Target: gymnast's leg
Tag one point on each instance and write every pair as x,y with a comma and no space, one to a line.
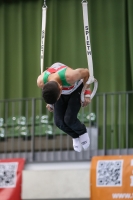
71,120
59,114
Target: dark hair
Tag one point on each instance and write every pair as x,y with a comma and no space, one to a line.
50,92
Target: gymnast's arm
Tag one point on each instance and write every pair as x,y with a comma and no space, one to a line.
84,74
40,82
77,74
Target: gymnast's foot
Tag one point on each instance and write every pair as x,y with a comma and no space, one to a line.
85,141
77,145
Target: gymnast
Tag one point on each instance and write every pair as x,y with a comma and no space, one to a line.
61,90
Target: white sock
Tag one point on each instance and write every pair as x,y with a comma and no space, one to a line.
77,145
85,141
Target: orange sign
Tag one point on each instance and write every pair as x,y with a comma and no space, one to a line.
112,178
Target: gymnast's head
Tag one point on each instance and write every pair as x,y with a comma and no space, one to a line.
51,92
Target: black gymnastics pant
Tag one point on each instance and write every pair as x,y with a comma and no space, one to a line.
65,113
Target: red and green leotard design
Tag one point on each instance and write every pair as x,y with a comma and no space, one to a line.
61,69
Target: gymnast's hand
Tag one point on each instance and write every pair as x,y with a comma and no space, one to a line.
50,107
87,100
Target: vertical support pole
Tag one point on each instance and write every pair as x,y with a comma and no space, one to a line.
33,130
97,116
119,125
6,118
104,122
112,122
127,120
